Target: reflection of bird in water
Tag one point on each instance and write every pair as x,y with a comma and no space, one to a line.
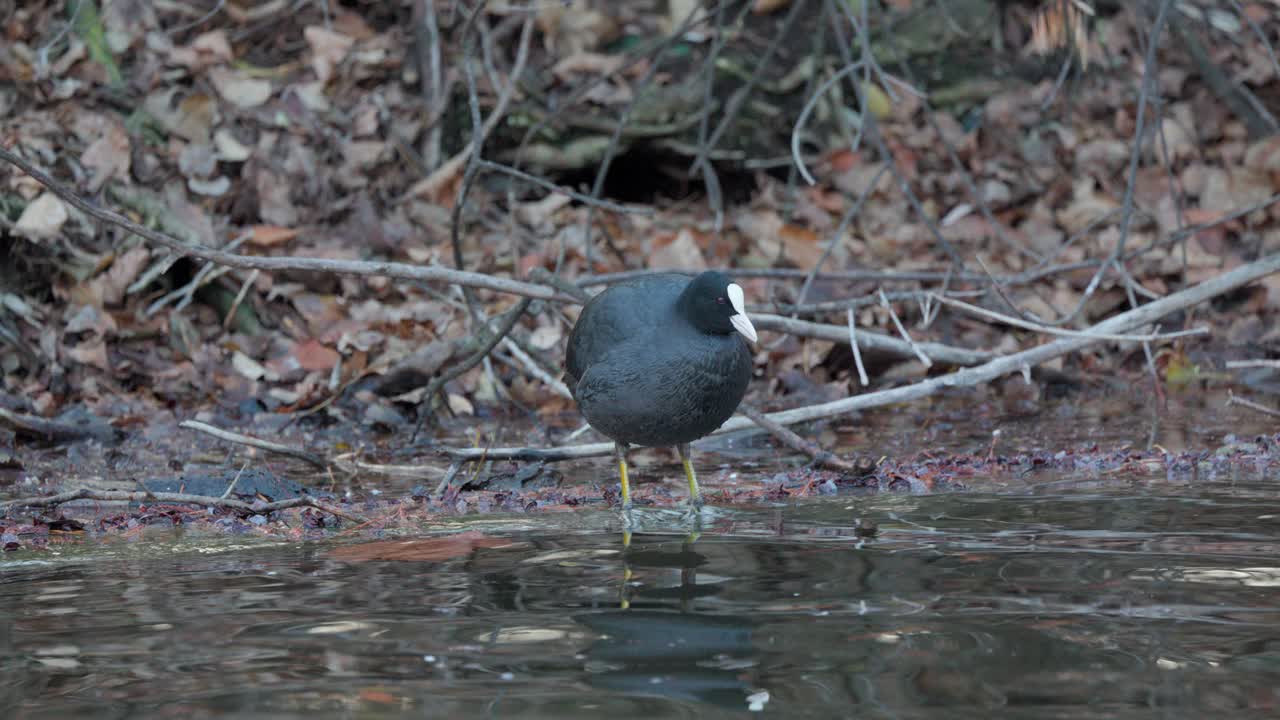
682,656
659,652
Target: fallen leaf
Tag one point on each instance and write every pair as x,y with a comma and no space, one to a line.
43,218
228,147
271,235
216,187
250,368
108,288
91,352
240,89
107,157
328,49
460,405
90,319
764,7
800,246
314,356
680,252
191,118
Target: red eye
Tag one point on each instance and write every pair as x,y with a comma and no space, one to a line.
721,300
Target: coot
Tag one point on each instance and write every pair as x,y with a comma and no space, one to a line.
661,360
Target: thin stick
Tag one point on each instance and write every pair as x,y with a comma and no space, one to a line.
548,185
235,305
870,340
1062,332
1234,364
509,322
820,457
531,366
1233,400
55,430
857,354
884,303
1137,317
240,439
183,498
402,271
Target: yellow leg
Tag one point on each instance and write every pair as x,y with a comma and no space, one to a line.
621,451
695,495
624,594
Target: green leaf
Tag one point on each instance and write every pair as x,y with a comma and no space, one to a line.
88,25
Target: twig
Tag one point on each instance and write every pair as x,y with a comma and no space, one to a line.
880,276
820,457
548,185
1142,315
402,271
531,366
568,452
447,481
857,354
597,186
1062,332
56,430
240,439
1234,364
1233,400
803,119
509,322
235,304
869,340
1137,317
184,498
915,347
838,235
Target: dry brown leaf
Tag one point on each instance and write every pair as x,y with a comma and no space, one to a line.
441,186
328,48
586,62
108,288
274,203
211,48
238,88
91,352
107,157
191,118
271,235
680,251
42,218
800,246
314,356
90,319
1085,207
764,7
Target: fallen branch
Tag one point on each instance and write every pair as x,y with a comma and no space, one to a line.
1241,364
1137,317
1258,407
820,457
401,271
1063,332
513,316
869,340
240,439
56,430
183,498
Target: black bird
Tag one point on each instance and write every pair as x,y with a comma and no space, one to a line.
661,361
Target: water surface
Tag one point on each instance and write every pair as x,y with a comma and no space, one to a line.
1154,599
